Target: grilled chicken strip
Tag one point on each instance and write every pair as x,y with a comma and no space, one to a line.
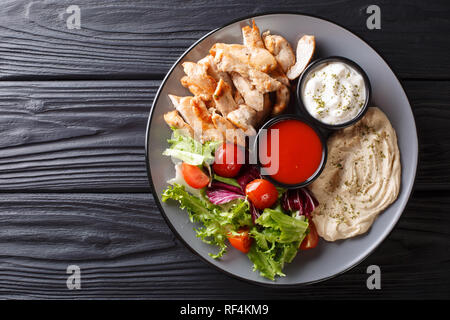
229,131
238,97
223,98
252,36
280,76
252,97
267,109
198,81
280,48
173,119
283,96
194,112
258,58
262,81
213,71
244,118
304,52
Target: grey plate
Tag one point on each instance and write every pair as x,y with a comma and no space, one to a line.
329,258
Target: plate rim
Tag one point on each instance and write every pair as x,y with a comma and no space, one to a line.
158,202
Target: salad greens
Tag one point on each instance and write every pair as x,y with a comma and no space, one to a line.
277,243
230,181
186,149
222,210
217,221
277,235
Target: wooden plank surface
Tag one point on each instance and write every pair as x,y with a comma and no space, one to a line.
125,250
73,183
35,42
74,135
90,135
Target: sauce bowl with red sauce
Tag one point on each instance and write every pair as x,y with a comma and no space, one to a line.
290,151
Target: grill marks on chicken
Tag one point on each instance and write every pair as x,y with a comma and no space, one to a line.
252,97
223,98
260,80
281,50
257,58
198,81
236,86
229,131
174,119
252,36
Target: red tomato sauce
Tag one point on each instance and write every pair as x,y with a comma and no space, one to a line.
299,151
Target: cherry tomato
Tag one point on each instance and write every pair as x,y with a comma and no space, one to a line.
194,176
311,238
262,193
242,242
228,160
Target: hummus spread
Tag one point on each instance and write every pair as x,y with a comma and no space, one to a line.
361,177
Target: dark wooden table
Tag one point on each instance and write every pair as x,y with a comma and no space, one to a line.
73,111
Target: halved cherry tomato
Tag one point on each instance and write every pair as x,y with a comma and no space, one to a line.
242,242
311,238
262,193
228,160
194,176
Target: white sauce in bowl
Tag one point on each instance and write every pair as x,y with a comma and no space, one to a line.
334,93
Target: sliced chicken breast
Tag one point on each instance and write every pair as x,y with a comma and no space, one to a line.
229,131
258,58
279,75
304,53
173,119
280,48
195,113
267,110
244,118
198,81
252,36
213,71
283,96
223,98
262,81
252,97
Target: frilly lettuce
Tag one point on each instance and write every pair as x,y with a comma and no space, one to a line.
277,242
216,221
186,149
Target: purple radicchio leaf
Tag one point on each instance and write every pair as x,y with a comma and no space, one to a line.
220,193
300,200
248,174
221,185
254,212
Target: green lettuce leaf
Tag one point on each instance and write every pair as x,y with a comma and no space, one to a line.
230,181
188,150
277,240
291,229
215,221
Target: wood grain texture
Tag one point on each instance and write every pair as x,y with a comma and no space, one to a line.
73,183
125,250
89,135
74,135
142,39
